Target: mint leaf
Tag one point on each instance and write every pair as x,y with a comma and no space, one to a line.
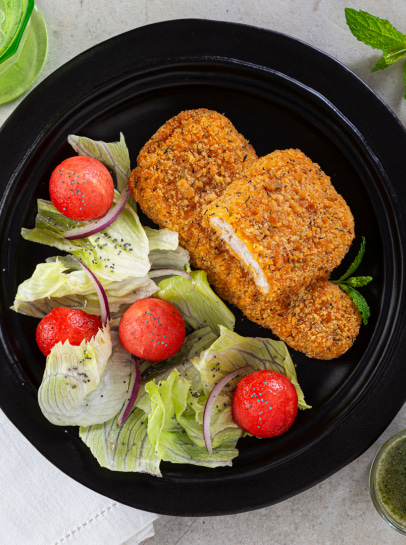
389,57
348,283
354,265
378,34
380,65
358,281
359,301
373,31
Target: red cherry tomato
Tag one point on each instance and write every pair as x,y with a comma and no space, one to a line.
81,188
152,329
66,324
265,403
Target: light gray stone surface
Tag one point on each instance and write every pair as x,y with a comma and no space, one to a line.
337,511
79,24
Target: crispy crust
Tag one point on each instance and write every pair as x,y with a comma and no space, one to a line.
290,218
188,163
173,185
319,320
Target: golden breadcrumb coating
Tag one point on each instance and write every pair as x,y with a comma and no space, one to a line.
188,163
178,173
293,317
319,320
285,220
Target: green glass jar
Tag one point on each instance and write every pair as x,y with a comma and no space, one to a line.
23,46
387,481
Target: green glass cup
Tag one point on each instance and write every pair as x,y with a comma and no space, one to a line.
23,47
387,481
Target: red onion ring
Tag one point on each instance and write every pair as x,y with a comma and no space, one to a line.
169,272
101,294
100,224
133,390
208,408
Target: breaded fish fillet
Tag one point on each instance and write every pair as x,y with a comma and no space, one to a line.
285,221
172,191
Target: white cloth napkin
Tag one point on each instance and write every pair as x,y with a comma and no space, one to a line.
40,505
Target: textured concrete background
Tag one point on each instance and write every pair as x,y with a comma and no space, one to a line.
77,25
338,510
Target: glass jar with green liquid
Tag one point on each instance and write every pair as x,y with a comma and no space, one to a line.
387,481
23,46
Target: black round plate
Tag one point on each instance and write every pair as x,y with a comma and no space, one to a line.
279,93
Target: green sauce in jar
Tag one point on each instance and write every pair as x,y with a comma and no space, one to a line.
388,481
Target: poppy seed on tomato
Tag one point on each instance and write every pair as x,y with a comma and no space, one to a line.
265,403
152,329
81,188
63,324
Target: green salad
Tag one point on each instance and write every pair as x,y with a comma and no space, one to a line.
89,385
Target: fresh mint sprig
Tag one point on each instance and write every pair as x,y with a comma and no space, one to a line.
379,34
348,283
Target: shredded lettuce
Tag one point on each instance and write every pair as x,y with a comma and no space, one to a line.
196,301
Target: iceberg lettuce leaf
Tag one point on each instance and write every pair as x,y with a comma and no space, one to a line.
169,259
172,442
164,249
71,373
128,447
62,281
123,448
196,301
119,251
107,399
232,351
113,155
161,239
86,384
194,343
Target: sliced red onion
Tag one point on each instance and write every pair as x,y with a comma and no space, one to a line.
208,408
169,272
100,224
101,294
133,390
